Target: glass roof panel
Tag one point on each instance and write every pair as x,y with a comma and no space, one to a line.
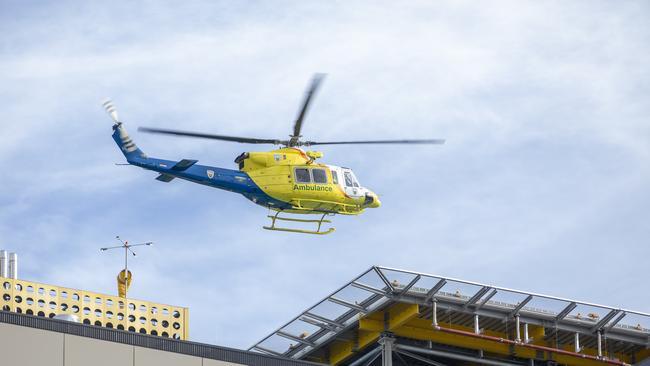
425,284
329,310
635,322
353,294
300,328
589,313
460,290
506,299
546,306
371,278
277,344
398,278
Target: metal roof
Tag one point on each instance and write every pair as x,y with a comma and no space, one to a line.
379,287
148,341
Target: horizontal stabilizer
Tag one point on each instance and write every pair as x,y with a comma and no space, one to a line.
165,178
184,164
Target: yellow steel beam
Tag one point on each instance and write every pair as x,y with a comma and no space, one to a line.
400,313
642,355
401,319
421,329
536,334
370,328
339,351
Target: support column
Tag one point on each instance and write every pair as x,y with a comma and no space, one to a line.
600,344
517,329
387,344
576,342
477,329
434,313
526,337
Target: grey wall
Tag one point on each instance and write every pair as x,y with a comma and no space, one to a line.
29,346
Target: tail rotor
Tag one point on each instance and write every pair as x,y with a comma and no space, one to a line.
111,110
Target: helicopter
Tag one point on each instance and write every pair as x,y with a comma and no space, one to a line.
288,180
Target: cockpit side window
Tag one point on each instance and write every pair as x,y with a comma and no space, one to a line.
349,181
302,175
335,177
319,175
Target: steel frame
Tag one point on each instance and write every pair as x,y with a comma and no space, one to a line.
479,303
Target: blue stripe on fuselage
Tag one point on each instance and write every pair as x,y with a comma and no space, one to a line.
226,179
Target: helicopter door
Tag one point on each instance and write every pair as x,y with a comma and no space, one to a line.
350,183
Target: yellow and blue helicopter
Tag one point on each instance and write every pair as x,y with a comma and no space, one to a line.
287,180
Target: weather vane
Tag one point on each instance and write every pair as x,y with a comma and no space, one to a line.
124,277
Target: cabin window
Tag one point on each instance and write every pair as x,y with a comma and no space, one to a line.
335,177
349,181
302,175
319,175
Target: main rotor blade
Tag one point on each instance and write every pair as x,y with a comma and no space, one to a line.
421,142
297,126
245,140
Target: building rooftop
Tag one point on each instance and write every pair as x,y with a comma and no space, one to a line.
420,306
231,355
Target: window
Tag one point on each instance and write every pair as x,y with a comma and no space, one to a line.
349,182
335,177
302,175
319,175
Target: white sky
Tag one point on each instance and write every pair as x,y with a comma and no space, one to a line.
542,185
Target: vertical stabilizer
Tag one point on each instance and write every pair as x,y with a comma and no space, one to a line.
121,137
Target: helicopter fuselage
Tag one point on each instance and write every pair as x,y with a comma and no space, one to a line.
287,179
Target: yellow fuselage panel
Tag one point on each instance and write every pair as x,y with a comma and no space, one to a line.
279,157
274,173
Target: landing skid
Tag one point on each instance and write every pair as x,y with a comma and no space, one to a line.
316,232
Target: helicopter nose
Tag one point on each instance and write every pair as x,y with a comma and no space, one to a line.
372,200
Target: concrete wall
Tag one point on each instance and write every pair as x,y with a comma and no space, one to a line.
28,346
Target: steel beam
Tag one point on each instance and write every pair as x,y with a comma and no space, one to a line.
348,304
540,321
410,284
318,324
565,311
387,344
294,338
454,356
266,350
487,298
420,358
370,355
477,296
368,288
615,321
384,279
520,306
602,322
434,290
324,320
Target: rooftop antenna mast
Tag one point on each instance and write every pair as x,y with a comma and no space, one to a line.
127,248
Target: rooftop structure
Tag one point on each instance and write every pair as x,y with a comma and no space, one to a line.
32,340
434,320
93,308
